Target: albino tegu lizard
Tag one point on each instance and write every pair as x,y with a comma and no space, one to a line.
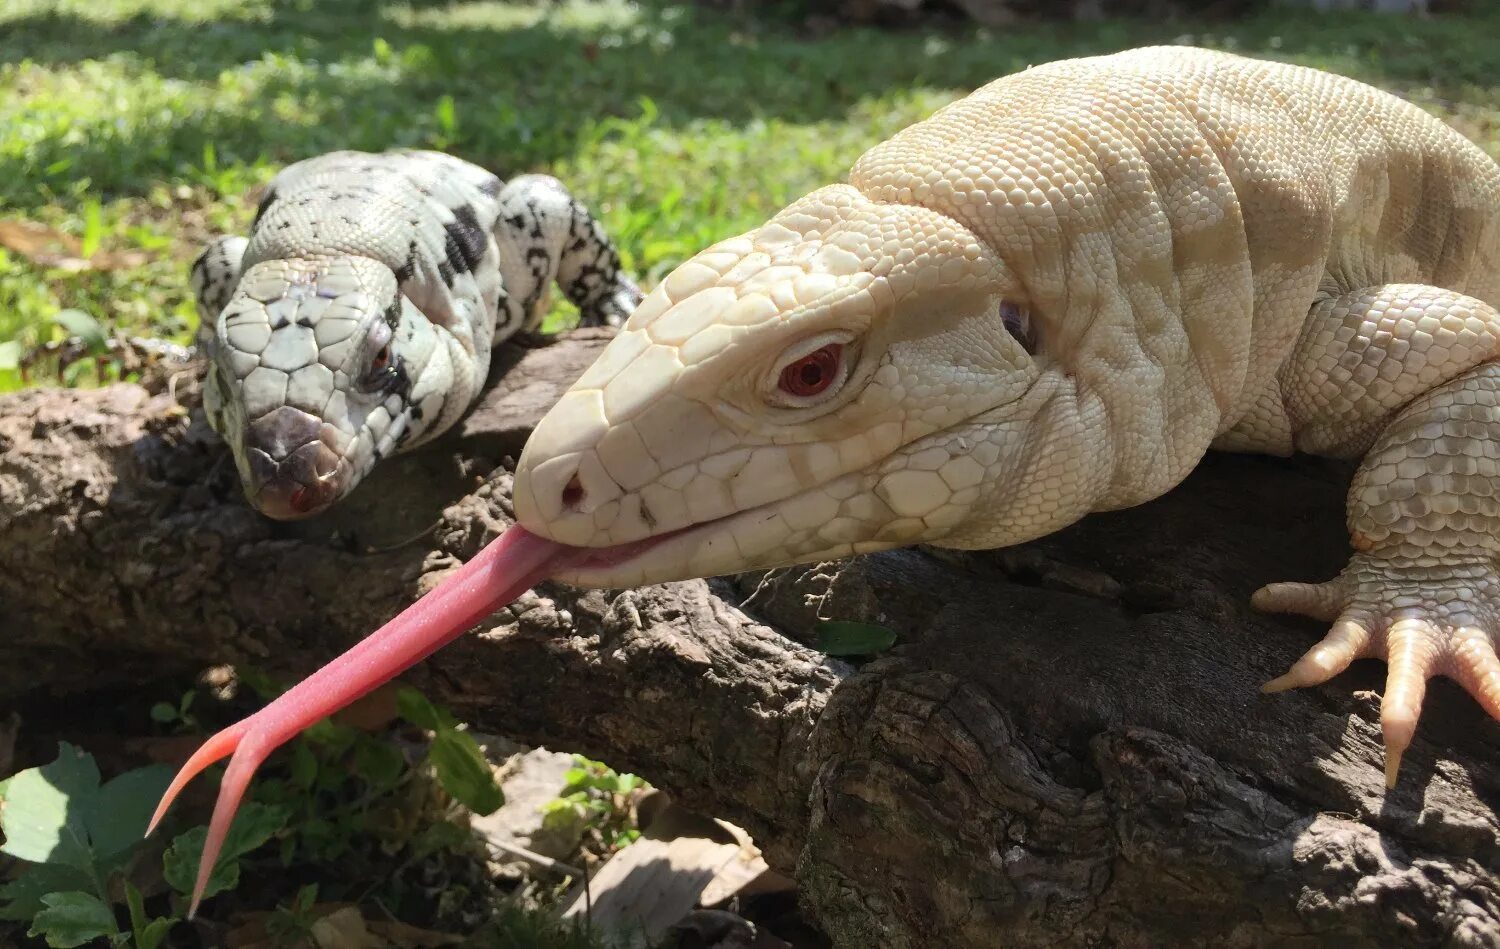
1052,297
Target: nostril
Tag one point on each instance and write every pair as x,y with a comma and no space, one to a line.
572,495
303,500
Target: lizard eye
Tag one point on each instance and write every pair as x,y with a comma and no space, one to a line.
382,359
812,374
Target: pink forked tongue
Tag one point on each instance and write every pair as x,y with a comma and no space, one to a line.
498,574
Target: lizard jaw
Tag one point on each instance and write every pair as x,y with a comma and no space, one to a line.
755,538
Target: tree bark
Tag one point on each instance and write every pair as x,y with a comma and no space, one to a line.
1066,747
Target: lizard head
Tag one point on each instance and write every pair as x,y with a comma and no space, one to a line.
847,378
315,368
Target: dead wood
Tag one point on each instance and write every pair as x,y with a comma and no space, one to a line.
1067,747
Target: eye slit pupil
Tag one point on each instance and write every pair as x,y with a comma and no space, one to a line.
382,357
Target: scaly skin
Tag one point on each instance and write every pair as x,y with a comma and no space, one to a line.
1050,298
357,320
1209,251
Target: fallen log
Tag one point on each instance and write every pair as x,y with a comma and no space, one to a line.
1067,745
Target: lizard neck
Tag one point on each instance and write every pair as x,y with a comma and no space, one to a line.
1046,466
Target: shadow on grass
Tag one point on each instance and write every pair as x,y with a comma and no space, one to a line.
529,87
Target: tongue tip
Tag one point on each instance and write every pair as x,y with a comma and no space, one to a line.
501,571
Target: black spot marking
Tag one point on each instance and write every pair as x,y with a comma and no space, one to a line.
416,413
265,203
409,269
490,186
445,270
464,240
280,323
401,383
304,322
392,313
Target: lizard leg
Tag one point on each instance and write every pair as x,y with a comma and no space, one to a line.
213,277
1422,589
546,234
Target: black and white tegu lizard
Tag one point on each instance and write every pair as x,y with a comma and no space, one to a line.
1050,298
357,320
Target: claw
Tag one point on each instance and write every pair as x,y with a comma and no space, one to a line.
1321,601
1476,667
1347,641
1411,646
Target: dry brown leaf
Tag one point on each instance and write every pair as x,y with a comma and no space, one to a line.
651,885
46,247
345,929
402,936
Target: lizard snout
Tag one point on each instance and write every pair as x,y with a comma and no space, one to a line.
292,472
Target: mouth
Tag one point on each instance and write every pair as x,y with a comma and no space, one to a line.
291,466
286,499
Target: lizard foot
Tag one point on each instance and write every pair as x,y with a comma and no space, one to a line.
1424,619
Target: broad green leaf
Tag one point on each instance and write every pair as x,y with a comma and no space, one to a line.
415,708
253,826
379,762
305,898
72,919
23,895
844,638
137,906
154,933
117,814
304,766
464,773
10,354
42,820
85,327
163,712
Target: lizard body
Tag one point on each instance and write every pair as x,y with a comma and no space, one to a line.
1052,297
357,318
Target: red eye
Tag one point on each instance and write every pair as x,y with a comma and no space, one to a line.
381,358
812,373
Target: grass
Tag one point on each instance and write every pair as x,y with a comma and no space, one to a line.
142,125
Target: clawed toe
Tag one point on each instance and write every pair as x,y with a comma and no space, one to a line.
1420,624
1317,600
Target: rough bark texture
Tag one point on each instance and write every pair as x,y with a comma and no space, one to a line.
1067,747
